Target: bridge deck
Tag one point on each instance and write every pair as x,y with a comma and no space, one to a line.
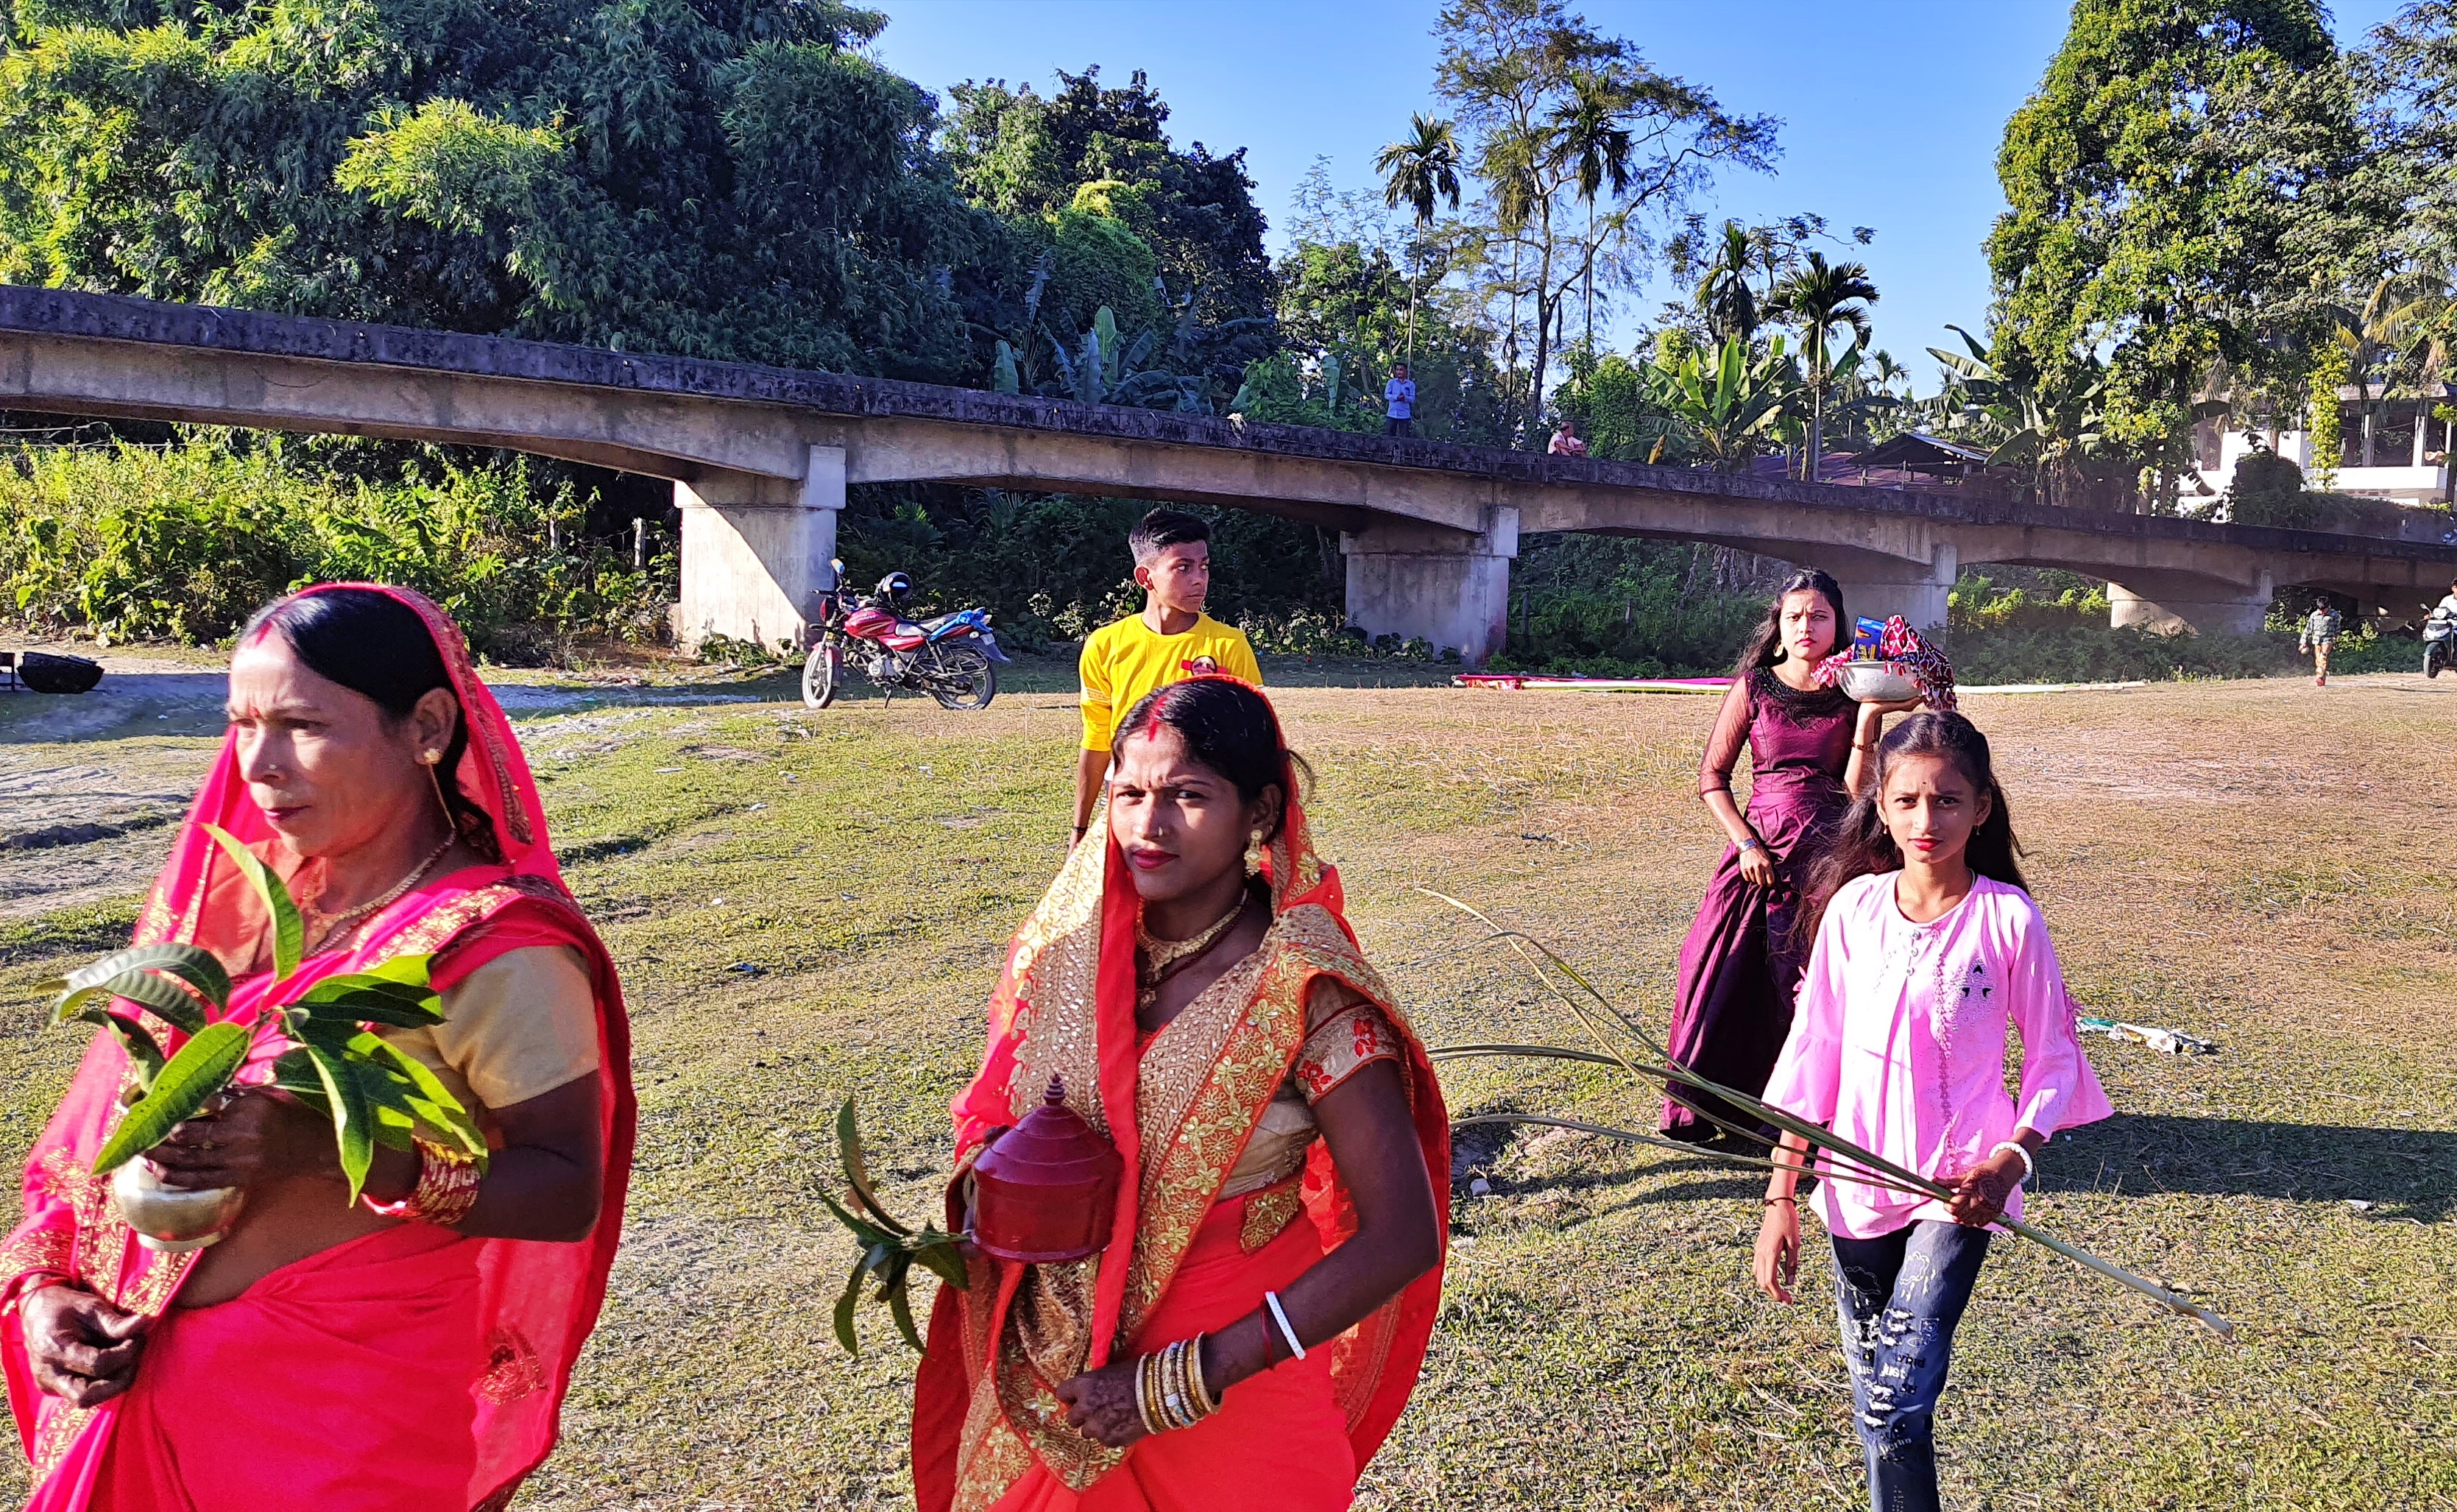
1003,438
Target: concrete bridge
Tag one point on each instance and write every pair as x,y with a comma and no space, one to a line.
760,459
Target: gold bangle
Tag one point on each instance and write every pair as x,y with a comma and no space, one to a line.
1143,1395
1203,1397
1771,1201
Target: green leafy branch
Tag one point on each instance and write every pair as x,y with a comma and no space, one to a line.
1845,1161
374,1093
889,1248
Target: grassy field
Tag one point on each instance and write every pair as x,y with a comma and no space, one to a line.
812,906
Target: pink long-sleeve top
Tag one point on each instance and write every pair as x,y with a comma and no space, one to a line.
1898,1043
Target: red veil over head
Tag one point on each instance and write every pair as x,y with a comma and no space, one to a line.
1066,1006
537,1301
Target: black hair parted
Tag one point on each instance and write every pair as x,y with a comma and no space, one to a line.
379,648
1764,646
1163,529
1229,728
1863,846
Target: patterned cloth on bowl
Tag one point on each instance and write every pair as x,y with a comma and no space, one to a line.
1904,647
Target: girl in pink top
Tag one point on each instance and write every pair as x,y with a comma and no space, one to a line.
1927,949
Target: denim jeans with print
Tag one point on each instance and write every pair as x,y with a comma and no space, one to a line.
1899,1297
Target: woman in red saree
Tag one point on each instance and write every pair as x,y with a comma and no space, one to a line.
1284,1208
411,1353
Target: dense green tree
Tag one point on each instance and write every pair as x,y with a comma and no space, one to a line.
723,179
1025,156
2185,190
1347,305
1617,412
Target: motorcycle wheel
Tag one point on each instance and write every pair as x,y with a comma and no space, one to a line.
822,675
2432,661
963,679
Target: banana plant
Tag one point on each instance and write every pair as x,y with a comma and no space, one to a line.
1731,405
889,1248
374,1093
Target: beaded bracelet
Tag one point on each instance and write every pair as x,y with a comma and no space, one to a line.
2030,1167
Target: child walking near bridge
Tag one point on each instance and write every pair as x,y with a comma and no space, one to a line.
1927,947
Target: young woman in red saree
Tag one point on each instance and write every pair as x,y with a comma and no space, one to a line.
1284,1208
409,1354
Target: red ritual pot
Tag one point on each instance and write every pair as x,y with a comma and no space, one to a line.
1047,1191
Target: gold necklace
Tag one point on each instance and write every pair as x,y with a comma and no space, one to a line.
341,920
1163,959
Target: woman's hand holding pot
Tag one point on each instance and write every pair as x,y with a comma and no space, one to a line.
246,1137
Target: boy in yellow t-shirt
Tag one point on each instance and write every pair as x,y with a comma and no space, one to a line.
1171,640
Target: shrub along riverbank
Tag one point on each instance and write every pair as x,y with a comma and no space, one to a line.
181,542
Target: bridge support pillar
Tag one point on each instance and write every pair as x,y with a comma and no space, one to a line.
1918,596
2174,604
1448,588
755,552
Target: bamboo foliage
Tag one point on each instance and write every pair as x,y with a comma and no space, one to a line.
1611,1030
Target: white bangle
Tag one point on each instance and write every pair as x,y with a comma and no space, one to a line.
2028,1170
1272,1300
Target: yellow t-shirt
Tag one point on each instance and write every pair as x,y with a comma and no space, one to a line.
1125,660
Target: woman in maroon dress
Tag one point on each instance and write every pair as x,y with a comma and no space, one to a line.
1740,967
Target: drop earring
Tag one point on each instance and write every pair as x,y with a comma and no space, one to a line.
432,760
1254,852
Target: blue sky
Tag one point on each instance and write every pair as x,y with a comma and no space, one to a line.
1892,109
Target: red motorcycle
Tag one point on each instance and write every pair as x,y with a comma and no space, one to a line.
952,657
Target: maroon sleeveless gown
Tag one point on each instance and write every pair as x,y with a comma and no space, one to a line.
1740,967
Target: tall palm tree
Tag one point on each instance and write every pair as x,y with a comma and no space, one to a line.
1420,173
1590,139
1510,165
1819,298
1723,295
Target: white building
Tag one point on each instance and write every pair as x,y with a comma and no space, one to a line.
2392,449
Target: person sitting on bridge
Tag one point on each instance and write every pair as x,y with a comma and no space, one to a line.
1565,440
2320,636
1171,639
1399,403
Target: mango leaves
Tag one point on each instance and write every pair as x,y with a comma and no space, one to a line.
889,1248
289,942
202,1067
375,1092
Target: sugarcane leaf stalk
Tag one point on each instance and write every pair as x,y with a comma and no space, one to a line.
1855,1163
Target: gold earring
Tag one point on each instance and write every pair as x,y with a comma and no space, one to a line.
1254,850
435,777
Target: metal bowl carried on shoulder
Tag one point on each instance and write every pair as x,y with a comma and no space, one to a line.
1047,1191
1878,682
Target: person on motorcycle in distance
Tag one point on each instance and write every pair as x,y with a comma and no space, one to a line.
1171,640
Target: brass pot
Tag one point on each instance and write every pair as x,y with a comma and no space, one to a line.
169,1219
